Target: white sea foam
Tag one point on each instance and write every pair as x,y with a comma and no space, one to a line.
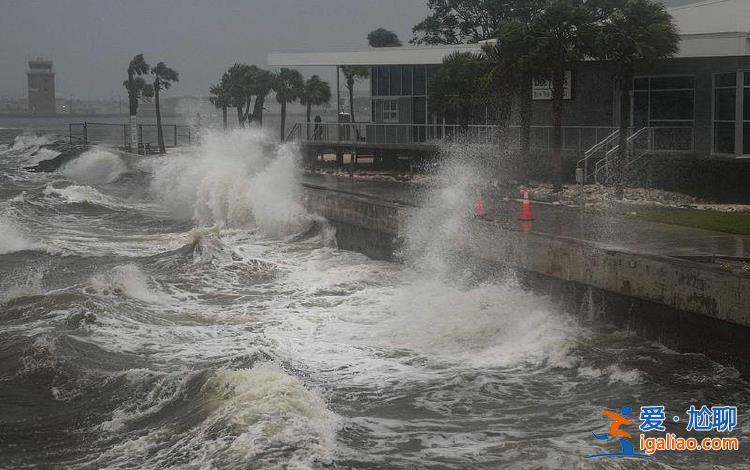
126,279
79,193
29,140
23,282
95,166
12,237
233,179
492,324
248,414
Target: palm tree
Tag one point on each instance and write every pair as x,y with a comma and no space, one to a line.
221,99
516,59
565,35
137,89
352,74
236,80
261,84
288,86
640,32
163,79
316,93
458,85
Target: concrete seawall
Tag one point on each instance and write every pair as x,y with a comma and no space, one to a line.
686,305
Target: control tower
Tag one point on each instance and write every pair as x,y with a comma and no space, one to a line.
41,81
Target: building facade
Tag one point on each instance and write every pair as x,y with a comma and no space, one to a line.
696,104
41,87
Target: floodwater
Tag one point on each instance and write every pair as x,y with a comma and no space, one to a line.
186,312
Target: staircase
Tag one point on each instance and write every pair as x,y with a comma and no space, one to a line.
599,163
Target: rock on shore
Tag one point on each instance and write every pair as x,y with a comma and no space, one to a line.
67,151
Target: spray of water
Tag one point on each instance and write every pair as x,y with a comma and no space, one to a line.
12,237
95,166
440,225
233,179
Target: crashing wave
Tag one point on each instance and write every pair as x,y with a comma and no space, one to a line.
234,179
96,166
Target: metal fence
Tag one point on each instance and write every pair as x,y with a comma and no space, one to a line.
119,135
574,138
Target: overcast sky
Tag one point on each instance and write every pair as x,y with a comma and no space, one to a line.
91,41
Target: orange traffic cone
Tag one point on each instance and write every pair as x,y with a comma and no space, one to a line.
479,211
526,208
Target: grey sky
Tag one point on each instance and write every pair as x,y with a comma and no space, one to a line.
91,41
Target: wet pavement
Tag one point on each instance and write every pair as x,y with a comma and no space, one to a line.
610,231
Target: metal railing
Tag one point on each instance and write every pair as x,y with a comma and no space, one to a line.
119,135
575,139
640,144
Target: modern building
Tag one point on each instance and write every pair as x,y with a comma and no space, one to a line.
41,83
695,105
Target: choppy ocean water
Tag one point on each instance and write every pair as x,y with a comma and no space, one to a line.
187,312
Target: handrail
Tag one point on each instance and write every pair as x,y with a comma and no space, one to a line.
605,162
610,138
630,139
292,131
583,162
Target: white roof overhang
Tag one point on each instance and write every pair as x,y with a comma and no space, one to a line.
379,56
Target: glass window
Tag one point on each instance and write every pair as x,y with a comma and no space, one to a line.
725,107
671,105
406,80
725,104
723,80
395,73
746,102
390,111
663,101
383,80
640,84
418,112
672,83
430,72
724,137
746,138
419,80
373,81
640,108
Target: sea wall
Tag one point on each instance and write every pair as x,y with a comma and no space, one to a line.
683,304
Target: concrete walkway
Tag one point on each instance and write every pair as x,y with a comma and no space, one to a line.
613,232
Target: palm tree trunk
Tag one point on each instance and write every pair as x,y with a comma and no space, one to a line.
283,119
524,168
159,133
351,100
240,121
622,150
307,120
224,116
246,116
258,109
133,105
558,79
